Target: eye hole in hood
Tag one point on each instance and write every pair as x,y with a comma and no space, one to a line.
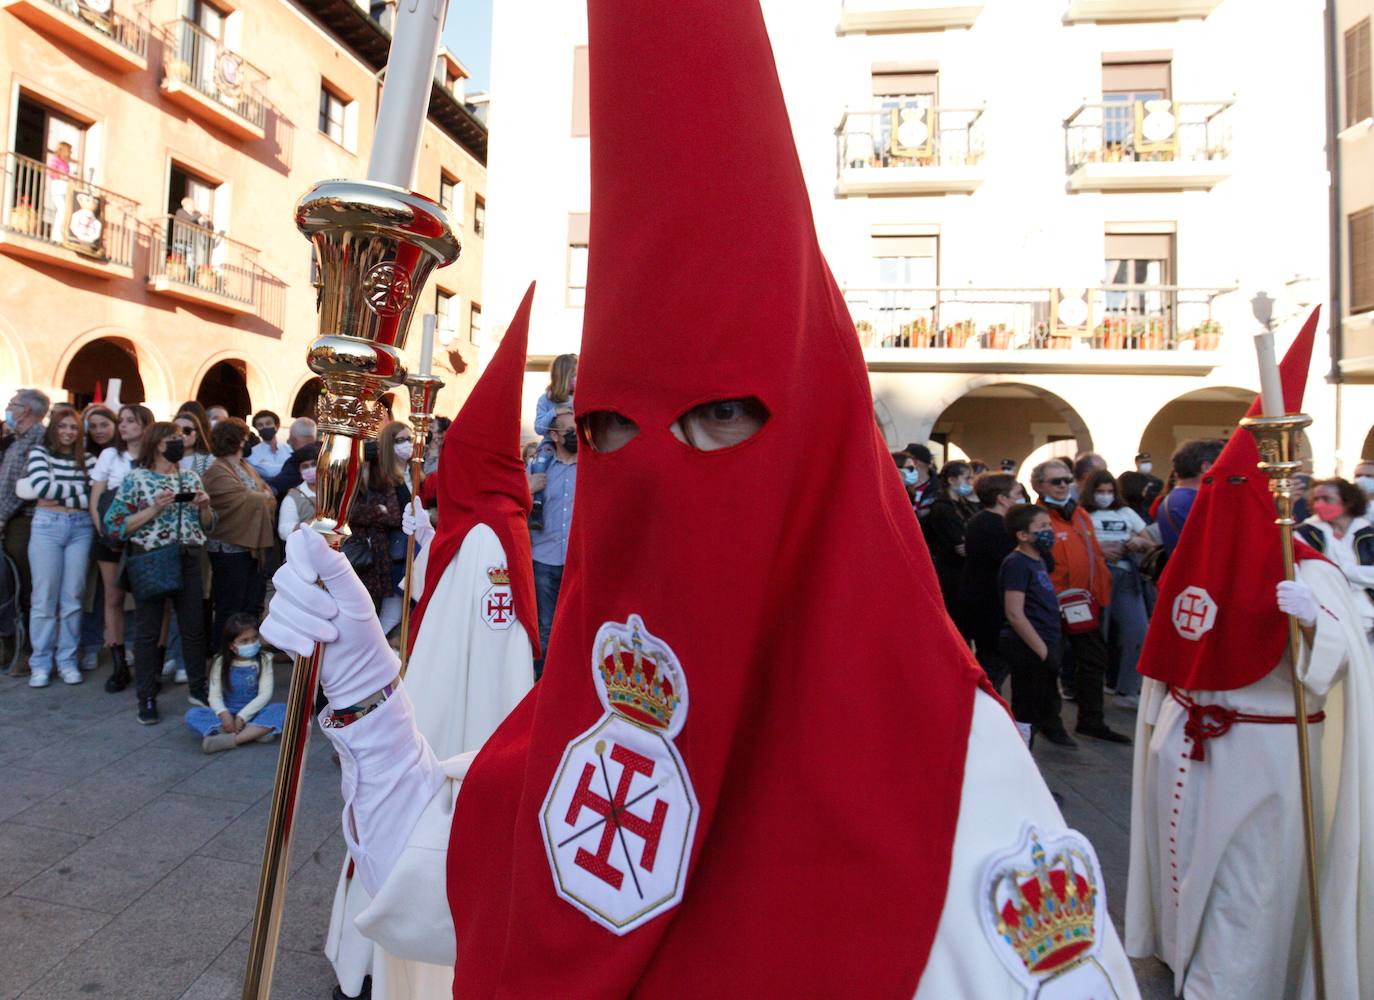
606,431
721,423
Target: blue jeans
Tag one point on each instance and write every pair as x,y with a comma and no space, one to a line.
1124,626
59,555
548,580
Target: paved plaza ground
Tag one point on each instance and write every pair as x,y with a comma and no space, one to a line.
129,859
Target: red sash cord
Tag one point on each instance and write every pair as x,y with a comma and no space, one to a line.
1207,722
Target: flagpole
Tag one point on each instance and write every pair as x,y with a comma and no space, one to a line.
1276,437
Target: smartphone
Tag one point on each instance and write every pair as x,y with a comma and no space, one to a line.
184,497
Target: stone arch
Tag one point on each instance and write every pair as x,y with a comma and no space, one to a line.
261,391
305,396
15,365
1212,411
156,374
997,417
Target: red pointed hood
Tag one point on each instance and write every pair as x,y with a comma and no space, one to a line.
481,477
1217,627
822,697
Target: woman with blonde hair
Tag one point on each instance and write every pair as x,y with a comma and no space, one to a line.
559,394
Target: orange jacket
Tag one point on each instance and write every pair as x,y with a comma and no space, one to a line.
1078,558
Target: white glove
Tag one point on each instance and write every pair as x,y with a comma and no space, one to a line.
415,521
357,660
1297,599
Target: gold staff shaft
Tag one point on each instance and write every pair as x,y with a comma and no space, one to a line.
375,245
423,389
1277,438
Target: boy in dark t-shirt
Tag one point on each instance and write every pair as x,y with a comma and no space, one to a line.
1030,640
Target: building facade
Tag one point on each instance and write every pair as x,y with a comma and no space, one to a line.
1052,219
153,157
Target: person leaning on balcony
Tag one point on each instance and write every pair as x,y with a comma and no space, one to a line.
244,536
111,468
24,420
1079,565
1191,462
147,516
57,475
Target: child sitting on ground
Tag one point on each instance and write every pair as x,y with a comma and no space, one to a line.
241,707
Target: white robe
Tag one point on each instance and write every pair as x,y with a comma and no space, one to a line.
1217,887
409,915
464,678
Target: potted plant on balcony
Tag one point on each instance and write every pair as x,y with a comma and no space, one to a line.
918,332
1206,335
957,334
865,331
207,278
997,337
23,218
1110,334
176,267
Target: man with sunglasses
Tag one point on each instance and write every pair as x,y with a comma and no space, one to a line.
1079,565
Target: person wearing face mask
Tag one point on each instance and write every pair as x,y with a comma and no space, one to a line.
244,536
1030,639
926,490
268,455
943,527
1364,477
241,709
1082,580
1126,620
986,544
1339,529
376,515
24,420
549,543
298,506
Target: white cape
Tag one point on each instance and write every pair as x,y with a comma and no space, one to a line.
465,676
1235,922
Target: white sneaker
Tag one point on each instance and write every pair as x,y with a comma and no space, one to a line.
39,679
90,659
70,675
169,665
180,676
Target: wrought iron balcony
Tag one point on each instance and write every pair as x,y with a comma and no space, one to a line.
1148,144
91,26
197,264
213,81
58,219
1109,318
906,148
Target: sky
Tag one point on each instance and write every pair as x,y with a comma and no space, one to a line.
467,34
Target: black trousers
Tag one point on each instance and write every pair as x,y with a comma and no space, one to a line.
1034,685
1089,651
148,630
237,585
987,649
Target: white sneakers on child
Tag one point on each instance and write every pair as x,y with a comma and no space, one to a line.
180,676
70,675
39,679
42,678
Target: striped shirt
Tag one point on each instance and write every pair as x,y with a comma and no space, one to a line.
59,478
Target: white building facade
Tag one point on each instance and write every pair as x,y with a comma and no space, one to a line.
1050,217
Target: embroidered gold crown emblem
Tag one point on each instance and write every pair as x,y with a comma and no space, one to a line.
1047,915
638,678
498,575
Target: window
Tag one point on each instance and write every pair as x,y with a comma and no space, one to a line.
1126,81
1362,261
906,261
578,228
581,109
1140,262
444,314
201,194
448,189
479,217
39,130
904,128
475,323
331,114
1359,90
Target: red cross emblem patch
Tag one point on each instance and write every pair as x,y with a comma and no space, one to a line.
497,603
620,816
1194,613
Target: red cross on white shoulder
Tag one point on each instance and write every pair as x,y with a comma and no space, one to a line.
1194,613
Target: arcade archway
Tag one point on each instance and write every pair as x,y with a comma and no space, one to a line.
95,364
1213,412
226,385
1010,420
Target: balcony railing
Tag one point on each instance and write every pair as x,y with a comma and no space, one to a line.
199,258
908,135
1111,317
202,62
44,204
131,33
1152,131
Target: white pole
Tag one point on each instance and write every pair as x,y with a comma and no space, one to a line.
1271,386
405,92
427,345
112,391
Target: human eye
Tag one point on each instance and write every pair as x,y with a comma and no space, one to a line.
721,423
607,431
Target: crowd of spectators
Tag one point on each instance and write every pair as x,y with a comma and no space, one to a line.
1053,581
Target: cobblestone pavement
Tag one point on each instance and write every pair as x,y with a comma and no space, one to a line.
129,859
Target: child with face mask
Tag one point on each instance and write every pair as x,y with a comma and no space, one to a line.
241,707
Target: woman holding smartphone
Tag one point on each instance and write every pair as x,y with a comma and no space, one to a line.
160,505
